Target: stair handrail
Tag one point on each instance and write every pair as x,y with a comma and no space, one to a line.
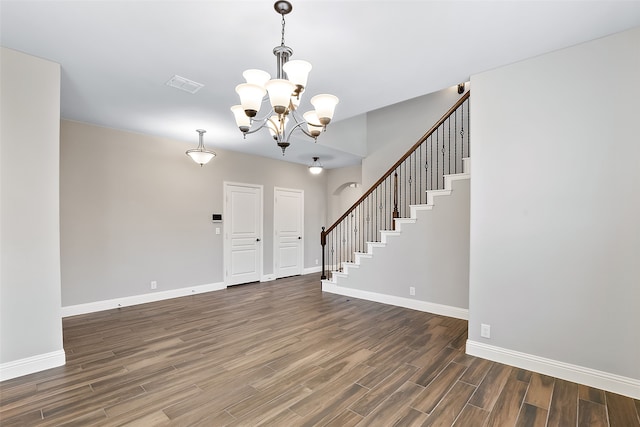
399,162
389,172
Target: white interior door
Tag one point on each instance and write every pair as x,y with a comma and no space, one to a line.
288,218
243,233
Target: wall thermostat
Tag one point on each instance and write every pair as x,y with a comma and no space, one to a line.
216,217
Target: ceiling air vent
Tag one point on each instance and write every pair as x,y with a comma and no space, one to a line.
184,84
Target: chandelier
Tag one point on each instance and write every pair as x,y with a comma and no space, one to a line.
284,94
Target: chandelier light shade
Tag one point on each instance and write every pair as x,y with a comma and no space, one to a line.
242,120
256,77
325,105
298,72
315,167
280,91
313,123
250,97
284,93
201,155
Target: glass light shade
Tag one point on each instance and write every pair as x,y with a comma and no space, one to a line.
313,123
280,91
242,120
316,166
297,72
250,97
201,156
295,101
256,77
325,106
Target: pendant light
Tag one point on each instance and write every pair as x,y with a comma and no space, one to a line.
201,155
316,167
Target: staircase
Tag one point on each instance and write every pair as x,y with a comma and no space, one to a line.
424,263
406,241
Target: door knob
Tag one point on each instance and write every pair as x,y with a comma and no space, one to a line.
257,240
299,238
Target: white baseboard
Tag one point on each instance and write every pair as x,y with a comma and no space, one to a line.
29,365
268,277
566,371
429,307
91,307
311,270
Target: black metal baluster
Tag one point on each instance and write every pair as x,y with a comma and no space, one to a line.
455,135
442,151
449,141
468,130
419,171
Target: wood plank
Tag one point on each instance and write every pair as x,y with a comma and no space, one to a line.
382,391
540,390
390,411
564,404
323,395
332,404
622,411
438,363
410,417
591,394
450,407
533,416
491,386
254,410
471,416
476,372
21,419
507,407
427,400
592,414
347,418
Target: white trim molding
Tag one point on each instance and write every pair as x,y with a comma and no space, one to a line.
428,307
30,365
566,371
311,270
91,307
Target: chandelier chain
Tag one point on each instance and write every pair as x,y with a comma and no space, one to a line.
282,40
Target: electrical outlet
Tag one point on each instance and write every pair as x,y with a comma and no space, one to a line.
485,330
412,290
217,230
154,284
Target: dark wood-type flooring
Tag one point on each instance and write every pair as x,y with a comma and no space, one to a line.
283,353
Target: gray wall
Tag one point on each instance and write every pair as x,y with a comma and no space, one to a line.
383,136
392,130
30,323
431,255
555,203
135,208
348,135
340,196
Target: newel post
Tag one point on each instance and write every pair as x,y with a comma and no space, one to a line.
323,242
396,214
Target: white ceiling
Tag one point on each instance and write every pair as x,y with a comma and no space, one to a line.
117,55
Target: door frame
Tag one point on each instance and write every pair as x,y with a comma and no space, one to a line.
275,237
226,247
